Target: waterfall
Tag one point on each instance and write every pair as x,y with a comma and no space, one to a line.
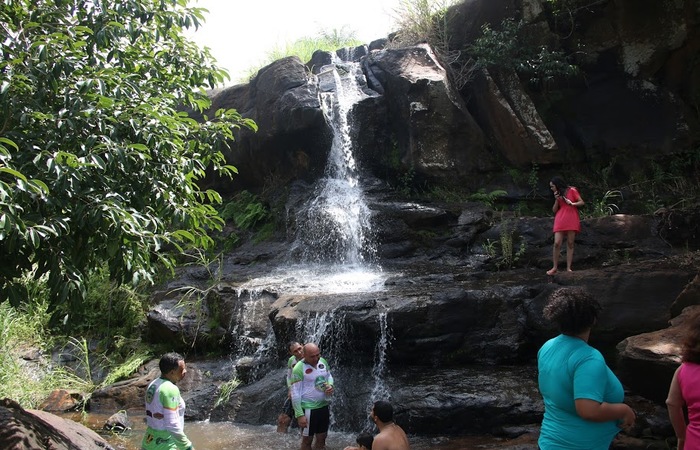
380,391
252,339
359,386
335,252
334,224
333,248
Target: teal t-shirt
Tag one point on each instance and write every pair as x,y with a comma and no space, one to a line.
570,369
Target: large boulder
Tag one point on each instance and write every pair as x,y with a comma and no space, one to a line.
656,354
435,134
26,429
509,117
293,138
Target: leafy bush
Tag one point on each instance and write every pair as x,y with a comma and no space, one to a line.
512,47
245,210
98,163
488,198
107,310
225,391
605,206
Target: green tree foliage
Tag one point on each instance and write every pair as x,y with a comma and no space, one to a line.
513,47
98,161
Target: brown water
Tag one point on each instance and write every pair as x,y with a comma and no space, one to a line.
232,436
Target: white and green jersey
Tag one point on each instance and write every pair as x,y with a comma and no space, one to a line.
308,386
165,417
291,362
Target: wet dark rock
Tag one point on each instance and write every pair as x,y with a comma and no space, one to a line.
657,354
436,135
470,400
118,422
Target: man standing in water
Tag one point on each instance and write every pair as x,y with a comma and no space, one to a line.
312,386
165,409
285,418
391,436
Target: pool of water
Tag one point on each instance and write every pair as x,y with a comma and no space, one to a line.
233,436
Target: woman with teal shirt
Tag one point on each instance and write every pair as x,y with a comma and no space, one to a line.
583,399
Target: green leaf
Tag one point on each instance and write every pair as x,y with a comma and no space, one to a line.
6,141
184,235
14,173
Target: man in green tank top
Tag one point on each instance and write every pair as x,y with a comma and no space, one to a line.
296,352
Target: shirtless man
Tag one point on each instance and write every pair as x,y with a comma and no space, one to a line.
391,436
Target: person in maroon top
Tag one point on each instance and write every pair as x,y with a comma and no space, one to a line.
684,392
567,222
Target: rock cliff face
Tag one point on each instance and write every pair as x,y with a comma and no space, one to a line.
635,100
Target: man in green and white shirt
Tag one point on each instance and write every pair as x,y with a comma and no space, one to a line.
165,408
285,418
312,387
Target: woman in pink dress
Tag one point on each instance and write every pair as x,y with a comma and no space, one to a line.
685,390
567,222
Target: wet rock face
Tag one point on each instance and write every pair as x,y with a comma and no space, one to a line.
293,138
656,354
631,102
434,132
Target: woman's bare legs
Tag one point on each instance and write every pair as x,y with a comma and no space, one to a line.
556,249
570,236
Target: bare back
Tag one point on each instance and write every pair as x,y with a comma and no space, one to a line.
392,437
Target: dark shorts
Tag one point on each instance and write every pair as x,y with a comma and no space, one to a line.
287,408
320,420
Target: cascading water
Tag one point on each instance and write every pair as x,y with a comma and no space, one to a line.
334,225
333,249
380,391
252,339
334,253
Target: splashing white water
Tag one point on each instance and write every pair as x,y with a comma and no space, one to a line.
335,224
320,279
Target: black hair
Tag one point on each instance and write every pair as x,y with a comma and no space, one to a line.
169,361
290,343
365,440
573,309
560,184
384,411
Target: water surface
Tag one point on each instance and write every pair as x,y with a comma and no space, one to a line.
233,436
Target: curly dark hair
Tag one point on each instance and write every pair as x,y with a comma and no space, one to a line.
691,343
573,309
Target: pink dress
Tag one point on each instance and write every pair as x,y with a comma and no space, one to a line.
689,381
566,217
